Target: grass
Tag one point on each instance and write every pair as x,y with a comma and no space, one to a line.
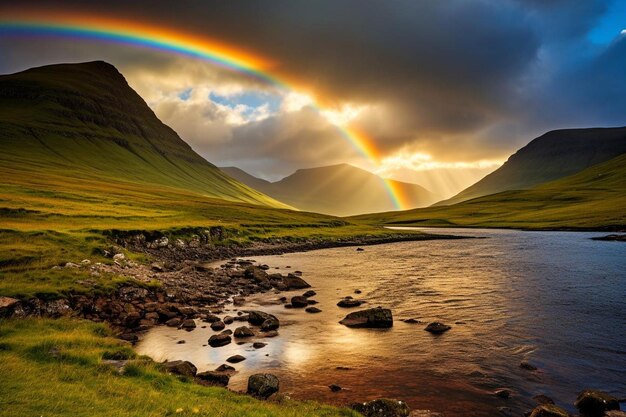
595,198
55,368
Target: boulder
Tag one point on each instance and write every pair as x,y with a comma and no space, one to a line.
228,319
184,368
349,303
437,328
259,345
218,340
270,324
236,359
218,325
294,282
211,318
225,368
243,332
372,318
188,324
592,403
382,408
334,387
299,301
257,318
313,310
214,378
548,410
309,293
175,322
262,385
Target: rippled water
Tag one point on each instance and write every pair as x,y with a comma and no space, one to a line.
554,299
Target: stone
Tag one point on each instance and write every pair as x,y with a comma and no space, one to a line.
412,321
259,345
334,387
593,403
228,320
256,318
175,322
218,325
236,359
548,410
371,318
225,368
437,328
383,407
349,303
299,301
313,310
243,332
188,324
270,324
360,249
294,282
272,333
211,318
238,301
220,379
309,293
218,340
262,385
184,368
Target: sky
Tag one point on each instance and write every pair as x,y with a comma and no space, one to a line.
443,91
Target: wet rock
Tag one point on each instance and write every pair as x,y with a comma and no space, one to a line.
360,249
184,368
357,291
313,310
259,345
437,328
349,303
309,293
256,318
548,410
228,319
372,318
271,333
220,379
592,403
543,399
243,332
299,301
311,302
503,393
181,342
225,368
236,359
382,408
412,321
218,325
227,331
294,282
211,318
270,324
175,322
218,340
527,366
238,301
262,385
288,306
334,387
188,324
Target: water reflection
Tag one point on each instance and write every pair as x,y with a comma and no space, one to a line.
554,299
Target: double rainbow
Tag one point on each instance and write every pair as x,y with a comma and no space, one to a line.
162,39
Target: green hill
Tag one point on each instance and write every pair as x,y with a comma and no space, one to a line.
339,190
554,155
594,198
84,121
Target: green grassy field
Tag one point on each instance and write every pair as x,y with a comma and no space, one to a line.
592,199
55,368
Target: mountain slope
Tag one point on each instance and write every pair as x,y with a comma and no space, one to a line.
554,155
84,121
339,190
594,198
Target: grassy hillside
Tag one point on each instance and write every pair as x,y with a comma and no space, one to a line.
554,155
592,199
84,121
59,368
339,190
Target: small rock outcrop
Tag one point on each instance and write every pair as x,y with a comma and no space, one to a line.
372,318
218,340
262,385
243,332
184,368
382,408
236,359
592,403
214,378
437,328
299,301
270,324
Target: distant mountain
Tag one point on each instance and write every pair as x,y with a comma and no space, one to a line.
339,190
594,198
554,155
85,121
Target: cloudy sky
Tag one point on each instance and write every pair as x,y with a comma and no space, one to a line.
445,90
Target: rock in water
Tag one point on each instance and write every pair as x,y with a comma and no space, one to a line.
592,403
218,340
218,325
349,303
184,368
437,328
259,345
242,332
309,293
214,378
372,318
236,359
334,387
262,385
382,408
313,310
549,410
270,324
299,301
225,368
256,318
188,324
294,282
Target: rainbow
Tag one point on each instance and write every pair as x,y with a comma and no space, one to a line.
162,39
